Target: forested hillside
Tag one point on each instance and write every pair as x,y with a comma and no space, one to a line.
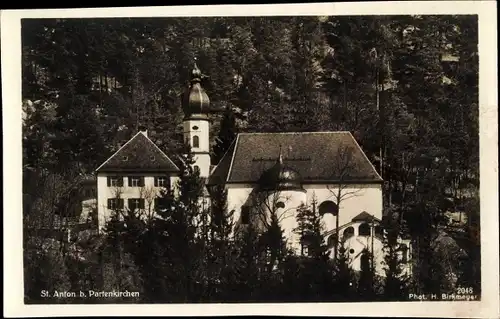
405,86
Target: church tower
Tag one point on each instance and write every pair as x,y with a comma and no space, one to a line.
196,107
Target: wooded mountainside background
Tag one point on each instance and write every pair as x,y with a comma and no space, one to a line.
405,86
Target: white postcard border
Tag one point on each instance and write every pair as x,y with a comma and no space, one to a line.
488,86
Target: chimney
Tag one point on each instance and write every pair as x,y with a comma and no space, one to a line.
143,130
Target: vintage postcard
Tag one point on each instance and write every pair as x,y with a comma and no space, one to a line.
324,159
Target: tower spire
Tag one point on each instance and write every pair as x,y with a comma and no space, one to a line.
196,124
195,100
195,73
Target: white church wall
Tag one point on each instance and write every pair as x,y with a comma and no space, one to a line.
287,215
365,197
356,244
237,196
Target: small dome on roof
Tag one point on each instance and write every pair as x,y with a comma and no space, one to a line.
195,100
280,177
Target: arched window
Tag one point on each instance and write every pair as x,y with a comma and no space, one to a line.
379,231
280,205
196,168
348,232
328,207
364,229
196,141
331,241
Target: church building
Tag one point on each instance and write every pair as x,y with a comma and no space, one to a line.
264,174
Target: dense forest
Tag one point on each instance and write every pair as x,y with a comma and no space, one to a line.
405,86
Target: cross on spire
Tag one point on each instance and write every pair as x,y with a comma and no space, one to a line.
195,73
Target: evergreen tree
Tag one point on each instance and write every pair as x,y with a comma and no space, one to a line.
316,272
310,228
396,281
405,86
272,253
77,133
247,270
306,107
344,277
166,248
120,256
220,245
181,221
272,243
367,277
470,275
221,220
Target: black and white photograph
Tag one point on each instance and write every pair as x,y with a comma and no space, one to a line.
249,159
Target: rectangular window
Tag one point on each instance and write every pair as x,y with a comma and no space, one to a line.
135,181
196,141
115,203
135,203
162,181
245,215
115,181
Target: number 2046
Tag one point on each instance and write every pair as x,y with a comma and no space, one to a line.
465,290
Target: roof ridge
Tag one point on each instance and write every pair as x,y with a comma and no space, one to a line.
114,154
229,172
223,156
166,156
314,145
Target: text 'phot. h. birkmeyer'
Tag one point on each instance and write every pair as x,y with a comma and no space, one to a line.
254,160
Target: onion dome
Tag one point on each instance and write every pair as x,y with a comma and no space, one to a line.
280,177
195,101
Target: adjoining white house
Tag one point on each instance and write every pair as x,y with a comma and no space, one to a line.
133,177
263,173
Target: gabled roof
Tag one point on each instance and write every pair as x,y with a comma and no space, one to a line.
138,154
220,172
314,155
